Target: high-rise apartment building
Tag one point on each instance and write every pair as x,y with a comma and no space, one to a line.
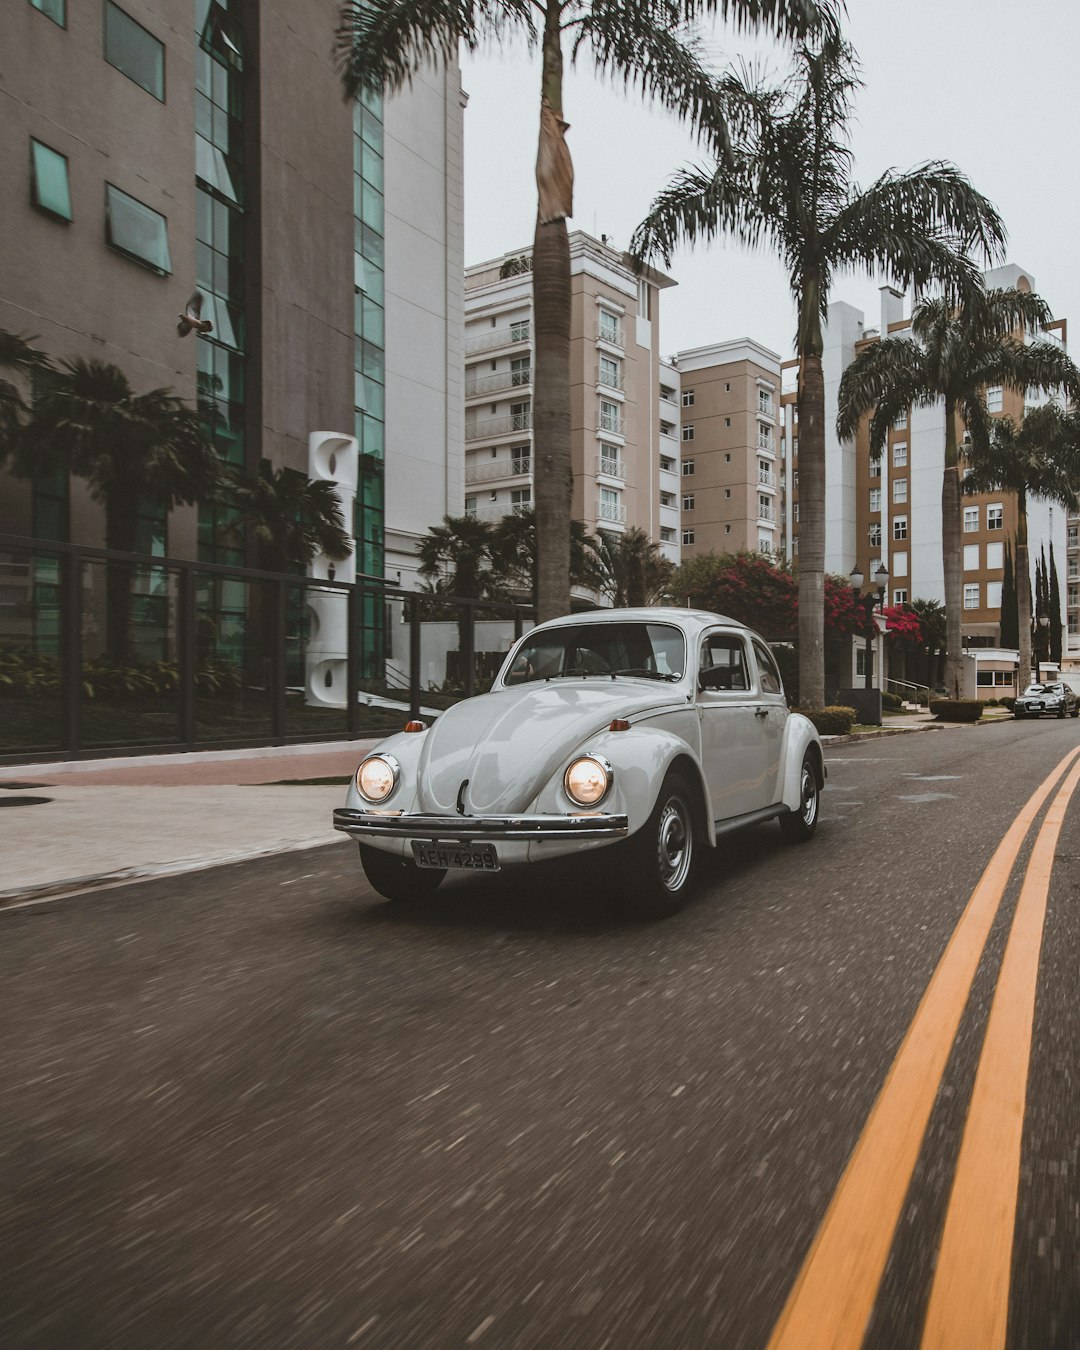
732,488
152,149
622,409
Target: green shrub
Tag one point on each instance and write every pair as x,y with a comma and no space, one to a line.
1008,702
833,721
922,698
892,701
25,672
956,709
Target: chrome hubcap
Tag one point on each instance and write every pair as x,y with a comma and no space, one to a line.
809,795
674,844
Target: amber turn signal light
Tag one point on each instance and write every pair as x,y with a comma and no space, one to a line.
619,724
415,726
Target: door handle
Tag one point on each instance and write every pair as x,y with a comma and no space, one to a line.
761,712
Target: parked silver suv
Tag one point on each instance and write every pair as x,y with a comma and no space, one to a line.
1058,699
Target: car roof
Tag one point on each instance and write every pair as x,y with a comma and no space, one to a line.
693,618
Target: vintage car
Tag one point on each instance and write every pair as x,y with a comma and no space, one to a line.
1056,698
642,733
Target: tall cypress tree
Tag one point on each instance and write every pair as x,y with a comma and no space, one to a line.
1054,609
1010,618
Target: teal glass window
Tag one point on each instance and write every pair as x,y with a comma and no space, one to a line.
49,178
136,230
55,9
134,51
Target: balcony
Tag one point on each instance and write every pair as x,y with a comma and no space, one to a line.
765,512
482,385
499,512
498,426
611,333
609,379
488,470
612,423
611,465
610,513
766,478
488,339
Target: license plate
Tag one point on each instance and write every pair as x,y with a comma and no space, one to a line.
466,857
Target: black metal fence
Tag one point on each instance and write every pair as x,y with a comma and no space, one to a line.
106,653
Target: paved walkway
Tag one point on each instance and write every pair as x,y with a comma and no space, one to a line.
88,823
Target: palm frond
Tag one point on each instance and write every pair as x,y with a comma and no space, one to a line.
885,379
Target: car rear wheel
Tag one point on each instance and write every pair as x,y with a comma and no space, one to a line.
659,860
398,878
798,826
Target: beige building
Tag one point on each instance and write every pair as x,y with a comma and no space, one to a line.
732,491
623,410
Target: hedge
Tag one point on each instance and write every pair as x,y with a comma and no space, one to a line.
956,709
833,721
892,701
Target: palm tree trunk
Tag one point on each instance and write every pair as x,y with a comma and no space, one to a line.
811,406
551,400
951,557
120,521
1024,674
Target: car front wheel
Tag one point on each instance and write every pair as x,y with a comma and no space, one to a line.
800,824
658,861
398,878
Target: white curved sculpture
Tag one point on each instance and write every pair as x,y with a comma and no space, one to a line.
332,458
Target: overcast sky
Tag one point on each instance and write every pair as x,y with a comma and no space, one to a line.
989,84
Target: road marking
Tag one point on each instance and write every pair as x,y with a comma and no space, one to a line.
969,1301
830,1303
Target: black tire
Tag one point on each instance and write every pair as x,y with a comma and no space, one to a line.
1062,711
398,878
659,860
1076,711
799,826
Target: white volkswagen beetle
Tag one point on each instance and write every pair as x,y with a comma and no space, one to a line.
645,733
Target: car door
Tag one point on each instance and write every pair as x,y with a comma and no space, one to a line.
772,713
734,754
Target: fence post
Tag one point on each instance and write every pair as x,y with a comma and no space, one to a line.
277,667
353,620
414,658
519,625
71,570
185,639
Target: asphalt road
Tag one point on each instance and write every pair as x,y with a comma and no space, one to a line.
259,1107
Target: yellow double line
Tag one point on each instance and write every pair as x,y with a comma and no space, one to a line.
831,1301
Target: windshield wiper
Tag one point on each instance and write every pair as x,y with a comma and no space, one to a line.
646,674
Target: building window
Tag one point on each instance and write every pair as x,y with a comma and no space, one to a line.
994,518
727,421
667,464
995,557
520,459
688,468
727,387
611,505
133,51
668,499
899,564
764,507
764,402
764,436
520,416
688,431
521,371
610,462
899,527
993,595
764,543
899,490
609,328
971,519
688,398
727,494
875,465
667,428
609,372
1072,538
55,9
688,536
470,506
971,595
609,417
899,455
795,518
688,502
49,179
971,557
875,533
901,420
667,393
137,230
520,500
667,534
899,597
995,398
875,499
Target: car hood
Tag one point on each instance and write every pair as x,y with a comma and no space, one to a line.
509,743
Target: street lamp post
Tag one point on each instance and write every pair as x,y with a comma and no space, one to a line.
1042,645
869,601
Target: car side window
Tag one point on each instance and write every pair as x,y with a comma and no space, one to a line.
770,675
723,662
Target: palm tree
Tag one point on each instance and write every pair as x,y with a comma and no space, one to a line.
931,615
645,44
289,518
456,558
954,351
637,572
134,450
1038,458
514,554
18,355
786,184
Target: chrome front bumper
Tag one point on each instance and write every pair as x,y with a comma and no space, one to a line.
468,829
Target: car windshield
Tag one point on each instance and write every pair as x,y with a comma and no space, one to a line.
1043,689
655,651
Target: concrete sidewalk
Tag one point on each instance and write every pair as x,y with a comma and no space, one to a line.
75,825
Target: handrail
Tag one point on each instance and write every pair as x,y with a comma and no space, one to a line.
907,684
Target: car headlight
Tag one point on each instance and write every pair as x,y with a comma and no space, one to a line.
377,777
587,780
